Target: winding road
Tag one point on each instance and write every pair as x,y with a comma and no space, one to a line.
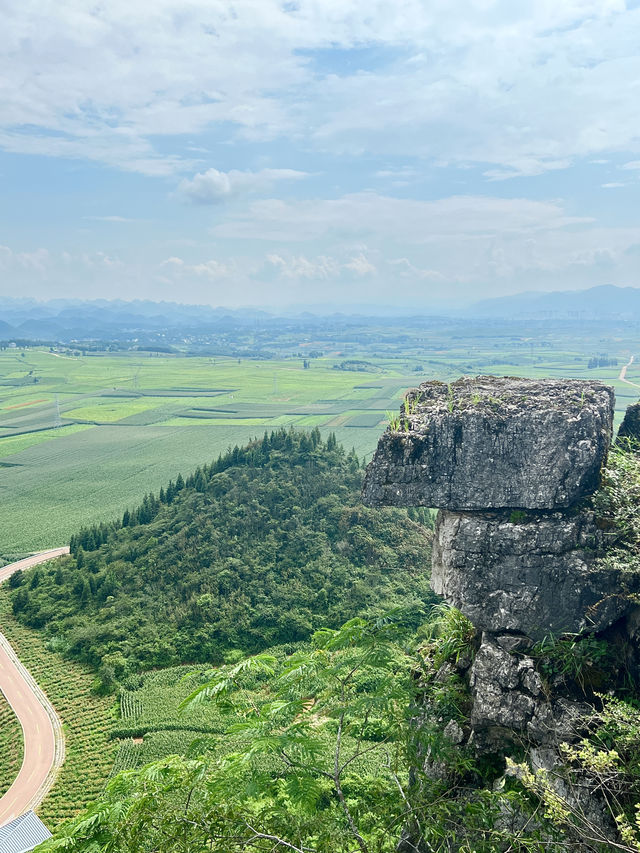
41,726
623,373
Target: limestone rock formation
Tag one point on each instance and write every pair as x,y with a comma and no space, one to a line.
492,442
477,448
511,465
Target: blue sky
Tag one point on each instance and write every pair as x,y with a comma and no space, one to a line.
420,153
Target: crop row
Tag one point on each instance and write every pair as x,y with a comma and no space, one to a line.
156,705
127,756
87,720
130,705
11,745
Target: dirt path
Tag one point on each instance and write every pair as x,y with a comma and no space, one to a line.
41,727
623,373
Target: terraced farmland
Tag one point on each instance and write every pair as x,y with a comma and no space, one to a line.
87,720
11,745
151,724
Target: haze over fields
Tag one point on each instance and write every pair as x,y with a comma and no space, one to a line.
420,154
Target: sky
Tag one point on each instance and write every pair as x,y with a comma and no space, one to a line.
272,153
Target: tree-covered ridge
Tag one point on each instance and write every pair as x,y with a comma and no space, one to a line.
262,547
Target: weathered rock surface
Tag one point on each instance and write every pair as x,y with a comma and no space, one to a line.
630,426
489,442
506,691
535,574
510,700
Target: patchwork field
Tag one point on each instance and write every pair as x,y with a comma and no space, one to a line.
82,438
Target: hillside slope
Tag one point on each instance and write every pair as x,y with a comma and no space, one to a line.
261,547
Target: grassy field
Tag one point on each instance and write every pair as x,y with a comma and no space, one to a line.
83,438
87,720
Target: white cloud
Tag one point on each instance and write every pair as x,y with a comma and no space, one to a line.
634,164
525,167
612,185
325,267
108,218
358,215
468,240
525,88
213,187
38,260
403,172
405,268
360,265
212,269
297,267
515,88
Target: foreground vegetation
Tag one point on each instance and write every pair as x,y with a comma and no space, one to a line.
327,758
298,778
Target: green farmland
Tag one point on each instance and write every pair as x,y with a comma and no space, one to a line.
82,438
87,436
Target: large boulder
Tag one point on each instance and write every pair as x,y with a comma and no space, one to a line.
494,442
531,573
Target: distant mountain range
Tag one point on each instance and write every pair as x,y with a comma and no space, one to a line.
605,301
103,319
146,321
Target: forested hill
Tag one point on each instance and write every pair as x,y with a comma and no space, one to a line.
261,547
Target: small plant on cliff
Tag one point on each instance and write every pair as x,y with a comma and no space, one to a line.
518,516
394,421
605,762
582,660
450,401
451,636
410,406
616,504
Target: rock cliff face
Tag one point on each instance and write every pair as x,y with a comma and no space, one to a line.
511,464
529,573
